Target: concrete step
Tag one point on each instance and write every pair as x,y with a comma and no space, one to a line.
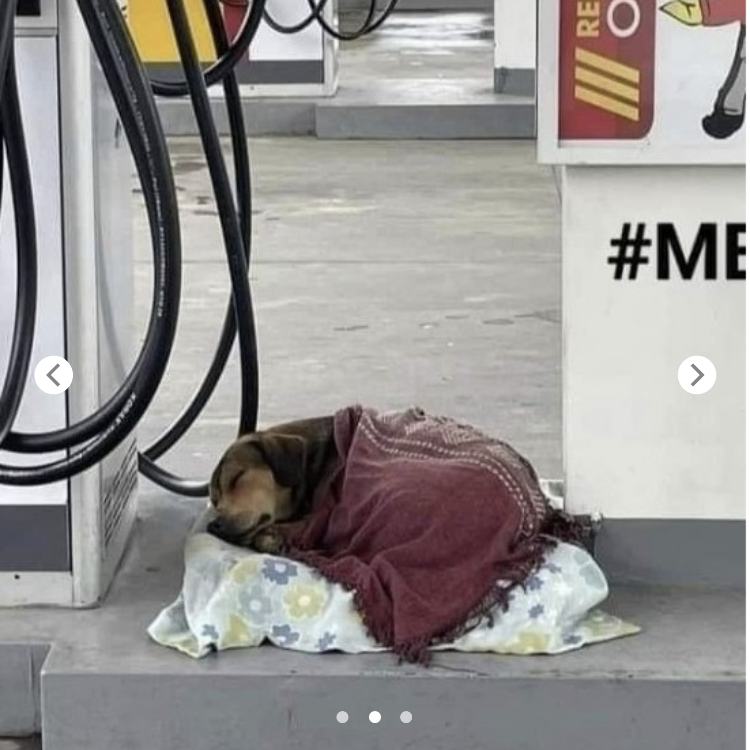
424,109
105,686
21,663
677,687
263,117
388,110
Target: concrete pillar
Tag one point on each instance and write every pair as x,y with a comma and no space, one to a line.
642,108
515,47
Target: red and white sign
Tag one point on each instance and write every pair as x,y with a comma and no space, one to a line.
607,58
641,81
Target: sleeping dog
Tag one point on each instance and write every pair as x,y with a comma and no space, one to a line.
264,484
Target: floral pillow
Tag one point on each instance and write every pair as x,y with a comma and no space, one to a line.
233,598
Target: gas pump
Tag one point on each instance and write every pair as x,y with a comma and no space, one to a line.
75,104
303,63
60,542
75,100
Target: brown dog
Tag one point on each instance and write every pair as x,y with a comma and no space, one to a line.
265,482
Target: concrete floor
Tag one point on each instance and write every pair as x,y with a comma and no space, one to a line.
690,653
420,47
422,75
388,273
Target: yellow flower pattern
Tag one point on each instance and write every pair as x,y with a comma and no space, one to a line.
529,642
237,634
259,597
244,571
304,601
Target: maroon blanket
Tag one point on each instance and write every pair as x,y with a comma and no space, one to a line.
422,519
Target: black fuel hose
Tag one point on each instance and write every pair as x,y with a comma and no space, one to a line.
370,23
243,191
7,18
22,341
130,88
236,236
137,110
225,64
25,315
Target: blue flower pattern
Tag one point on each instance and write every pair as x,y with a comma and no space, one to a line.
536,611
209,631
534,583
255,604
284,635
326,641
279,571
269,578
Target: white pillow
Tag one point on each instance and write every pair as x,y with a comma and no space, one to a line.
233,598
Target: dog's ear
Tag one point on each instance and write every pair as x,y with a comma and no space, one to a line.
229,469
285,455
214,484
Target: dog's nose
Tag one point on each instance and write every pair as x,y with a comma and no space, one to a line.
217,527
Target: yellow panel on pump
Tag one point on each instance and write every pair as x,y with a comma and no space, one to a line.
152,31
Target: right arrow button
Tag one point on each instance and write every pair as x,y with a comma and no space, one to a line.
700,375
705,371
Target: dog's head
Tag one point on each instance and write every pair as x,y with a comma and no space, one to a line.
252,486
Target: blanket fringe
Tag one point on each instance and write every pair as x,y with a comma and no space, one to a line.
416,651
381,631
499,594
566,528
557,526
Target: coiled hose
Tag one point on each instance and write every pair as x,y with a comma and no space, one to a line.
91,439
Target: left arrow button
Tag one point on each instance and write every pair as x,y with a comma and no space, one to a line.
53,375
49,375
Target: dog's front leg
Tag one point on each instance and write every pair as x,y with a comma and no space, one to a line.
269,541
275,539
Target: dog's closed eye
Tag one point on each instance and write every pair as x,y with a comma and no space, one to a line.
285,455
232,483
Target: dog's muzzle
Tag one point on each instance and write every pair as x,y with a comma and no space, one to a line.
227,531
219,527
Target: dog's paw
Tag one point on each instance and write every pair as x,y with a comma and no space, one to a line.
269,542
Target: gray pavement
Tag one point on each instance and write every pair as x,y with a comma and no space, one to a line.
420,47
388,273
690,654
422,75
